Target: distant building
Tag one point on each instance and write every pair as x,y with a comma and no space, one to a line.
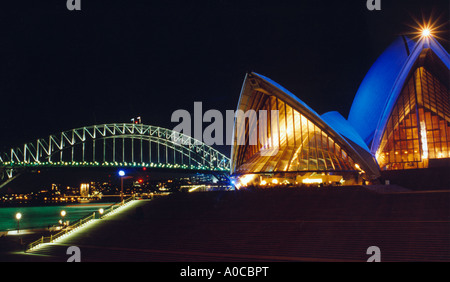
84,189
55,187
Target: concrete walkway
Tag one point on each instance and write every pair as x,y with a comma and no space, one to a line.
282,225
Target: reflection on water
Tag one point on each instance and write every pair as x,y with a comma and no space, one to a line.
45,216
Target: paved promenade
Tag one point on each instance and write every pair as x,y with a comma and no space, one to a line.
283,225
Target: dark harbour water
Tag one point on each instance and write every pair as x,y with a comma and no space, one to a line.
43,216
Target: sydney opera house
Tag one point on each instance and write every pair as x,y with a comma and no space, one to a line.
399,120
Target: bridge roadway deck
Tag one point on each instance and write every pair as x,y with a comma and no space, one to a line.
283,225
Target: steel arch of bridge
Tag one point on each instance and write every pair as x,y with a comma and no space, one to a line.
116,145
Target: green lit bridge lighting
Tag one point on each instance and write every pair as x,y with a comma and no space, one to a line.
114,145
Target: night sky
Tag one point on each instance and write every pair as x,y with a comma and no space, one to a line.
115,60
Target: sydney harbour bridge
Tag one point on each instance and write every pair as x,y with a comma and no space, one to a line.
113,145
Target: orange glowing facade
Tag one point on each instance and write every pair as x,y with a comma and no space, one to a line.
292,143
414,130
418,129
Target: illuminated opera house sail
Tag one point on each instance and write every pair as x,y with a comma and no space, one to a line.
399,119
295,145
408,87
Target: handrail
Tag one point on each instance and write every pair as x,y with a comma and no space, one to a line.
76,224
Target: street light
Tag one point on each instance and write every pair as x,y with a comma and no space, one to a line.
18,217
122,177
121,174
63,214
